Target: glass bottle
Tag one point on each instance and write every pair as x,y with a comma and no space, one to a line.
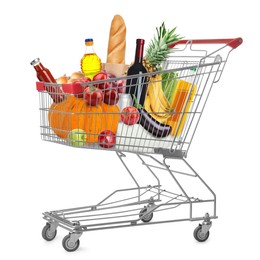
90,62
44,75
137,86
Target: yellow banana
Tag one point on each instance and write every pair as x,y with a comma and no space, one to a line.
147,106
158,102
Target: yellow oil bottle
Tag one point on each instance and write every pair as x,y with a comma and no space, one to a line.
90,62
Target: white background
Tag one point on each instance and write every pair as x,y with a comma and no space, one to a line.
37,176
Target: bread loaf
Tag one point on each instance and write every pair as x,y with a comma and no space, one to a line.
117,42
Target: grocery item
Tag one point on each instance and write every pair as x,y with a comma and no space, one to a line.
77,137
125,100
74,113
102,76
181,102
130,115
169,81
121,85
158,48
77,75
90,62
140,137
110,117
93,96
152,126
107,139
111,97
156,103
76,86
62,80
137,86
117,41
44,75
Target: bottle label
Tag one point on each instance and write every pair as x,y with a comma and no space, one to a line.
139,87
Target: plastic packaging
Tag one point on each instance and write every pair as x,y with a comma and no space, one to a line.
182,99
90,62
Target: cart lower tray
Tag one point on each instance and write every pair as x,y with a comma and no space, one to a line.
136,206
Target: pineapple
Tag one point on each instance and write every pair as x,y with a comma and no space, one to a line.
158,49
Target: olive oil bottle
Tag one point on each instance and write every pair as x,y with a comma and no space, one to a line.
90,62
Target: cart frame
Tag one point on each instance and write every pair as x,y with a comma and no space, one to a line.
149,200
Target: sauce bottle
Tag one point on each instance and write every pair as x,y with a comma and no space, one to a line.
90,62
44,75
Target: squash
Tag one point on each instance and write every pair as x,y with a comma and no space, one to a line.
110,117
74,113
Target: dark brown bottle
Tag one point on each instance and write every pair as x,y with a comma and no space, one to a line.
137,86
44,75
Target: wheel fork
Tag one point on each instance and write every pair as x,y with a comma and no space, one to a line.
206,224
53,226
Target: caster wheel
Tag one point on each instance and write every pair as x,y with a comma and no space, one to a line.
69,245
47,234
146,218
199,236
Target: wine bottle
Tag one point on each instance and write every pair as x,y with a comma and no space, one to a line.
137,85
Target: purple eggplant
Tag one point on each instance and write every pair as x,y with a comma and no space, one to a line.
154,127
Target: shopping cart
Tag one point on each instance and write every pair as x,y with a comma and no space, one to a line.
160,140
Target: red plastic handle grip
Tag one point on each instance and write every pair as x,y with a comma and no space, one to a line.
233,43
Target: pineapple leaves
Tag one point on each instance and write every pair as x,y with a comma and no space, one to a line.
158,49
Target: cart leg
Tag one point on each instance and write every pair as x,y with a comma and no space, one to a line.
120,156
201,233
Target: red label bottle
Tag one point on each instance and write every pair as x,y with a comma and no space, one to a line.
44,75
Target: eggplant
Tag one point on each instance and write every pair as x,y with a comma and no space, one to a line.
154,127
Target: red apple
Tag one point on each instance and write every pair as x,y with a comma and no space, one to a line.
77,88
101,76
111,97
106,139
93,96
121,85
130,115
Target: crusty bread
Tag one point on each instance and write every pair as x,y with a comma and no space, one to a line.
117,42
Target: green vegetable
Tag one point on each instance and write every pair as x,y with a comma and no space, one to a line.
169,81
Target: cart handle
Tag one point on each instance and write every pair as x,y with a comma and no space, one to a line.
233,42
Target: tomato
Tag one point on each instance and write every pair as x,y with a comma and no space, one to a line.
111,97
130,115
92,96
106,139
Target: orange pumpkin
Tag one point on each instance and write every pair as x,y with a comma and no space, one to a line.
110,117
74,113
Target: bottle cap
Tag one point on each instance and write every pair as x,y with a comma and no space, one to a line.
35,61
139,41
89,40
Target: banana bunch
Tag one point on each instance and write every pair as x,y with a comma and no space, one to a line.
156,104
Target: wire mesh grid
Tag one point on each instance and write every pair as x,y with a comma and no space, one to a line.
177,96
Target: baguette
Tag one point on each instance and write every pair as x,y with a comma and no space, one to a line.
117,41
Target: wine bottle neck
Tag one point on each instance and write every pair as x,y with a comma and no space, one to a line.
139,52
